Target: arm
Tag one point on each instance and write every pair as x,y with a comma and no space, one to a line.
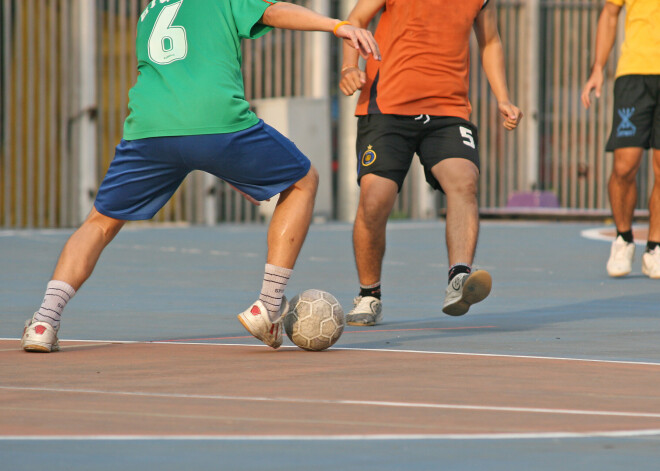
492,61
605,37
352,78
291,16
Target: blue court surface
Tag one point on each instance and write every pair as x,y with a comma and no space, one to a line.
551,299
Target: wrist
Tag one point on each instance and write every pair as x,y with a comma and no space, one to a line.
339,25
346,68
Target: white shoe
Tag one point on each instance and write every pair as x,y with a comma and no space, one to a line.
621,257
367,310
39,337
651,263
256,320
466,289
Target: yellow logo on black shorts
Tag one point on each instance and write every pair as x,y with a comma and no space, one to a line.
369,157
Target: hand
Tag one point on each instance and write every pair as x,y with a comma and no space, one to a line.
361,39
511,114
246,196
352,80
595,81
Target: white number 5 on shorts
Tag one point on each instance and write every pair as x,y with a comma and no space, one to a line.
467,134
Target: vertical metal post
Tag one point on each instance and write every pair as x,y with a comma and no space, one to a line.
317,53
531,85
348,191
86,112
51,204
30,133
7,75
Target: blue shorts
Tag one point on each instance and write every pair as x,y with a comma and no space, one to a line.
145,173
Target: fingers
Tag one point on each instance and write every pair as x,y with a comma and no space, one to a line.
367,44
586,99
595,82
352,80
510,125
361,39
512,116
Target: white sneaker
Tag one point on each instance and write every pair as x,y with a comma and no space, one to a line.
39,337
651,263
367,310
466,289
621,257
255,319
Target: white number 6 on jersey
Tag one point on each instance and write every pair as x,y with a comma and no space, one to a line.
467,134
168,43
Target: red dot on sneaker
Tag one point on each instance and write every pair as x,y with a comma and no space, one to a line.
255,310
40,329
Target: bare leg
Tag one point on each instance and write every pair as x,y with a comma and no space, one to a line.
286,234
459,180
654,200
377,197
622,186
290,223
82,250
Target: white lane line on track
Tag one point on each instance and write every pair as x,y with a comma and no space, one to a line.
596,234
368,437
383,350
338,402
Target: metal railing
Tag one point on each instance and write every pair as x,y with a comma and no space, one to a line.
51,163
36,177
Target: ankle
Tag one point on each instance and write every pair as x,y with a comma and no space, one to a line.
651,245
457,269
626,235
370,290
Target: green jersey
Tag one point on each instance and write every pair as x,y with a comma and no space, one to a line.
189,68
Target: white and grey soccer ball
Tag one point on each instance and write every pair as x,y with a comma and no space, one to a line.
315,320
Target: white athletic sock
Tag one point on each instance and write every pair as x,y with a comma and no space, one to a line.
272,290
58,293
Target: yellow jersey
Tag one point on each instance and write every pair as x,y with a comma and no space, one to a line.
640,52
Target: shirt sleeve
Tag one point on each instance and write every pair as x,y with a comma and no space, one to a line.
247,14
618,3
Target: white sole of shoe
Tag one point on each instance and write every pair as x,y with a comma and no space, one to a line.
476,289
618,274
364,323
245,324
647,272
39,347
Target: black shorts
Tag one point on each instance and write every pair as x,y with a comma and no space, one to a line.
636,120
386,144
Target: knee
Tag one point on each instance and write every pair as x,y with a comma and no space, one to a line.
312,179
309,183
457,177
466,187
374,208
108,226
626,164
623,172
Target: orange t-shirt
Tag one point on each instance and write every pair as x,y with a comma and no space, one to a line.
425,69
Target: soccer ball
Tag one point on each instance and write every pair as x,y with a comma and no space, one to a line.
315,320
